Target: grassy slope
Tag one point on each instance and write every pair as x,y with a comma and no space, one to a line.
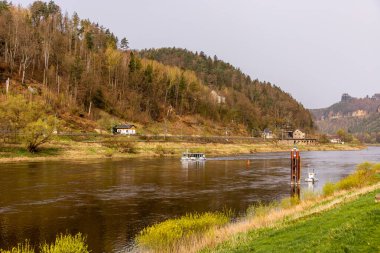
352,227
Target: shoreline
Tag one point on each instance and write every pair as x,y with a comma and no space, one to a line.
278,216
69,151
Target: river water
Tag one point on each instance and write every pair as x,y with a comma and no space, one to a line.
111,200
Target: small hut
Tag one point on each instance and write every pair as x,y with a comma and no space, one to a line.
125,129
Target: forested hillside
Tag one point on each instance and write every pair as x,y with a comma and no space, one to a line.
258,104
81,71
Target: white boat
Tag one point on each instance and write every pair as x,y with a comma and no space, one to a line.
186,156
311,177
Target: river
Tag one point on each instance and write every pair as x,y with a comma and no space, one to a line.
111,200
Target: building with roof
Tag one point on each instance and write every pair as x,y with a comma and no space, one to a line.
124,129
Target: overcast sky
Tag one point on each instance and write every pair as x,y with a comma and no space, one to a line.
314,49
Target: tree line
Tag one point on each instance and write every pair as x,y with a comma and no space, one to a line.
80,67
258,104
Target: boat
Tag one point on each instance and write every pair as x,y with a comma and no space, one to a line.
311,177
187,156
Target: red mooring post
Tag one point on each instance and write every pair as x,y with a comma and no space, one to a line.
295,167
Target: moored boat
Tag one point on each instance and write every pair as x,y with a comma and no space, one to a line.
311,177
187,156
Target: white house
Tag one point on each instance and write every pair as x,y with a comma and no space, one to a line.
336,141
125,129
268,134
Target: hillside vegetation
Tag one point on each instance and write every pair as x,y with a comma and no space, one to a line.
83,73
256,104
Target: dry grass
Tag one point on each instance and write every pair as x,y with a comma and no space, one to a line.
73,150
275,217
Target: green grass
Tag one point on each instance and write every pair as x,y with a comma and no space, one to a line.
365,174
351,227
10,152
20,248
165,235
63,244
66,244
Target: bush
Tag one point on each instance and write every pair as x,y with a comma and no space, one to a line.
260,209
21,248
166,234
324,139
160,150
364,175
109,152
290,201
328,189
129,147
66,244
62,244
39,132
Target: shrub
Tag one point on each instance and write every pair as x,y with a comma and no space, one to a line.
166,234
289,202
21,248
324,139
364,175
109,152
328,189
127,147
259,209
348,182
160,150
122,147
39,132
66,244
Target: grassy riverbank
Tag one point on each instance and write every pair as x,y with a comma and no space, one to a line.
348,227
342,219
61,149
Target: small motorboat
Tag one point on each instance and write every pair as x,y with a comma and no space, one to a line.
311,177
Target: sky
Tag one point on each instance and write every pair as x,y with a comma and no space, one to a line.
313,49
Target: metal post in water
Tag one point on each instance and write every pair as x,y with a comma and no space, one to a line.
295,167
295,172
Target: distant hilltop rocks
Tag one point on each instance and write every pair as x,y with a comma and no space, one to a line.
357,113
349,107
351,113
347,98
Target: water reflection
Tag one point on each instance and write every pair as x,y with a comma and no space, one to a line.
111,200
310,186
193,164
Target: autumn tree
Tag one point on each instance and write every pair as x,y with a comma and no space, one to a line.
344,136
29,119
39,132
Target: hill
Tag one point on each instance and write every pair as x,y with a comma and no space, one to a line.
259,104
360,116
90,79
